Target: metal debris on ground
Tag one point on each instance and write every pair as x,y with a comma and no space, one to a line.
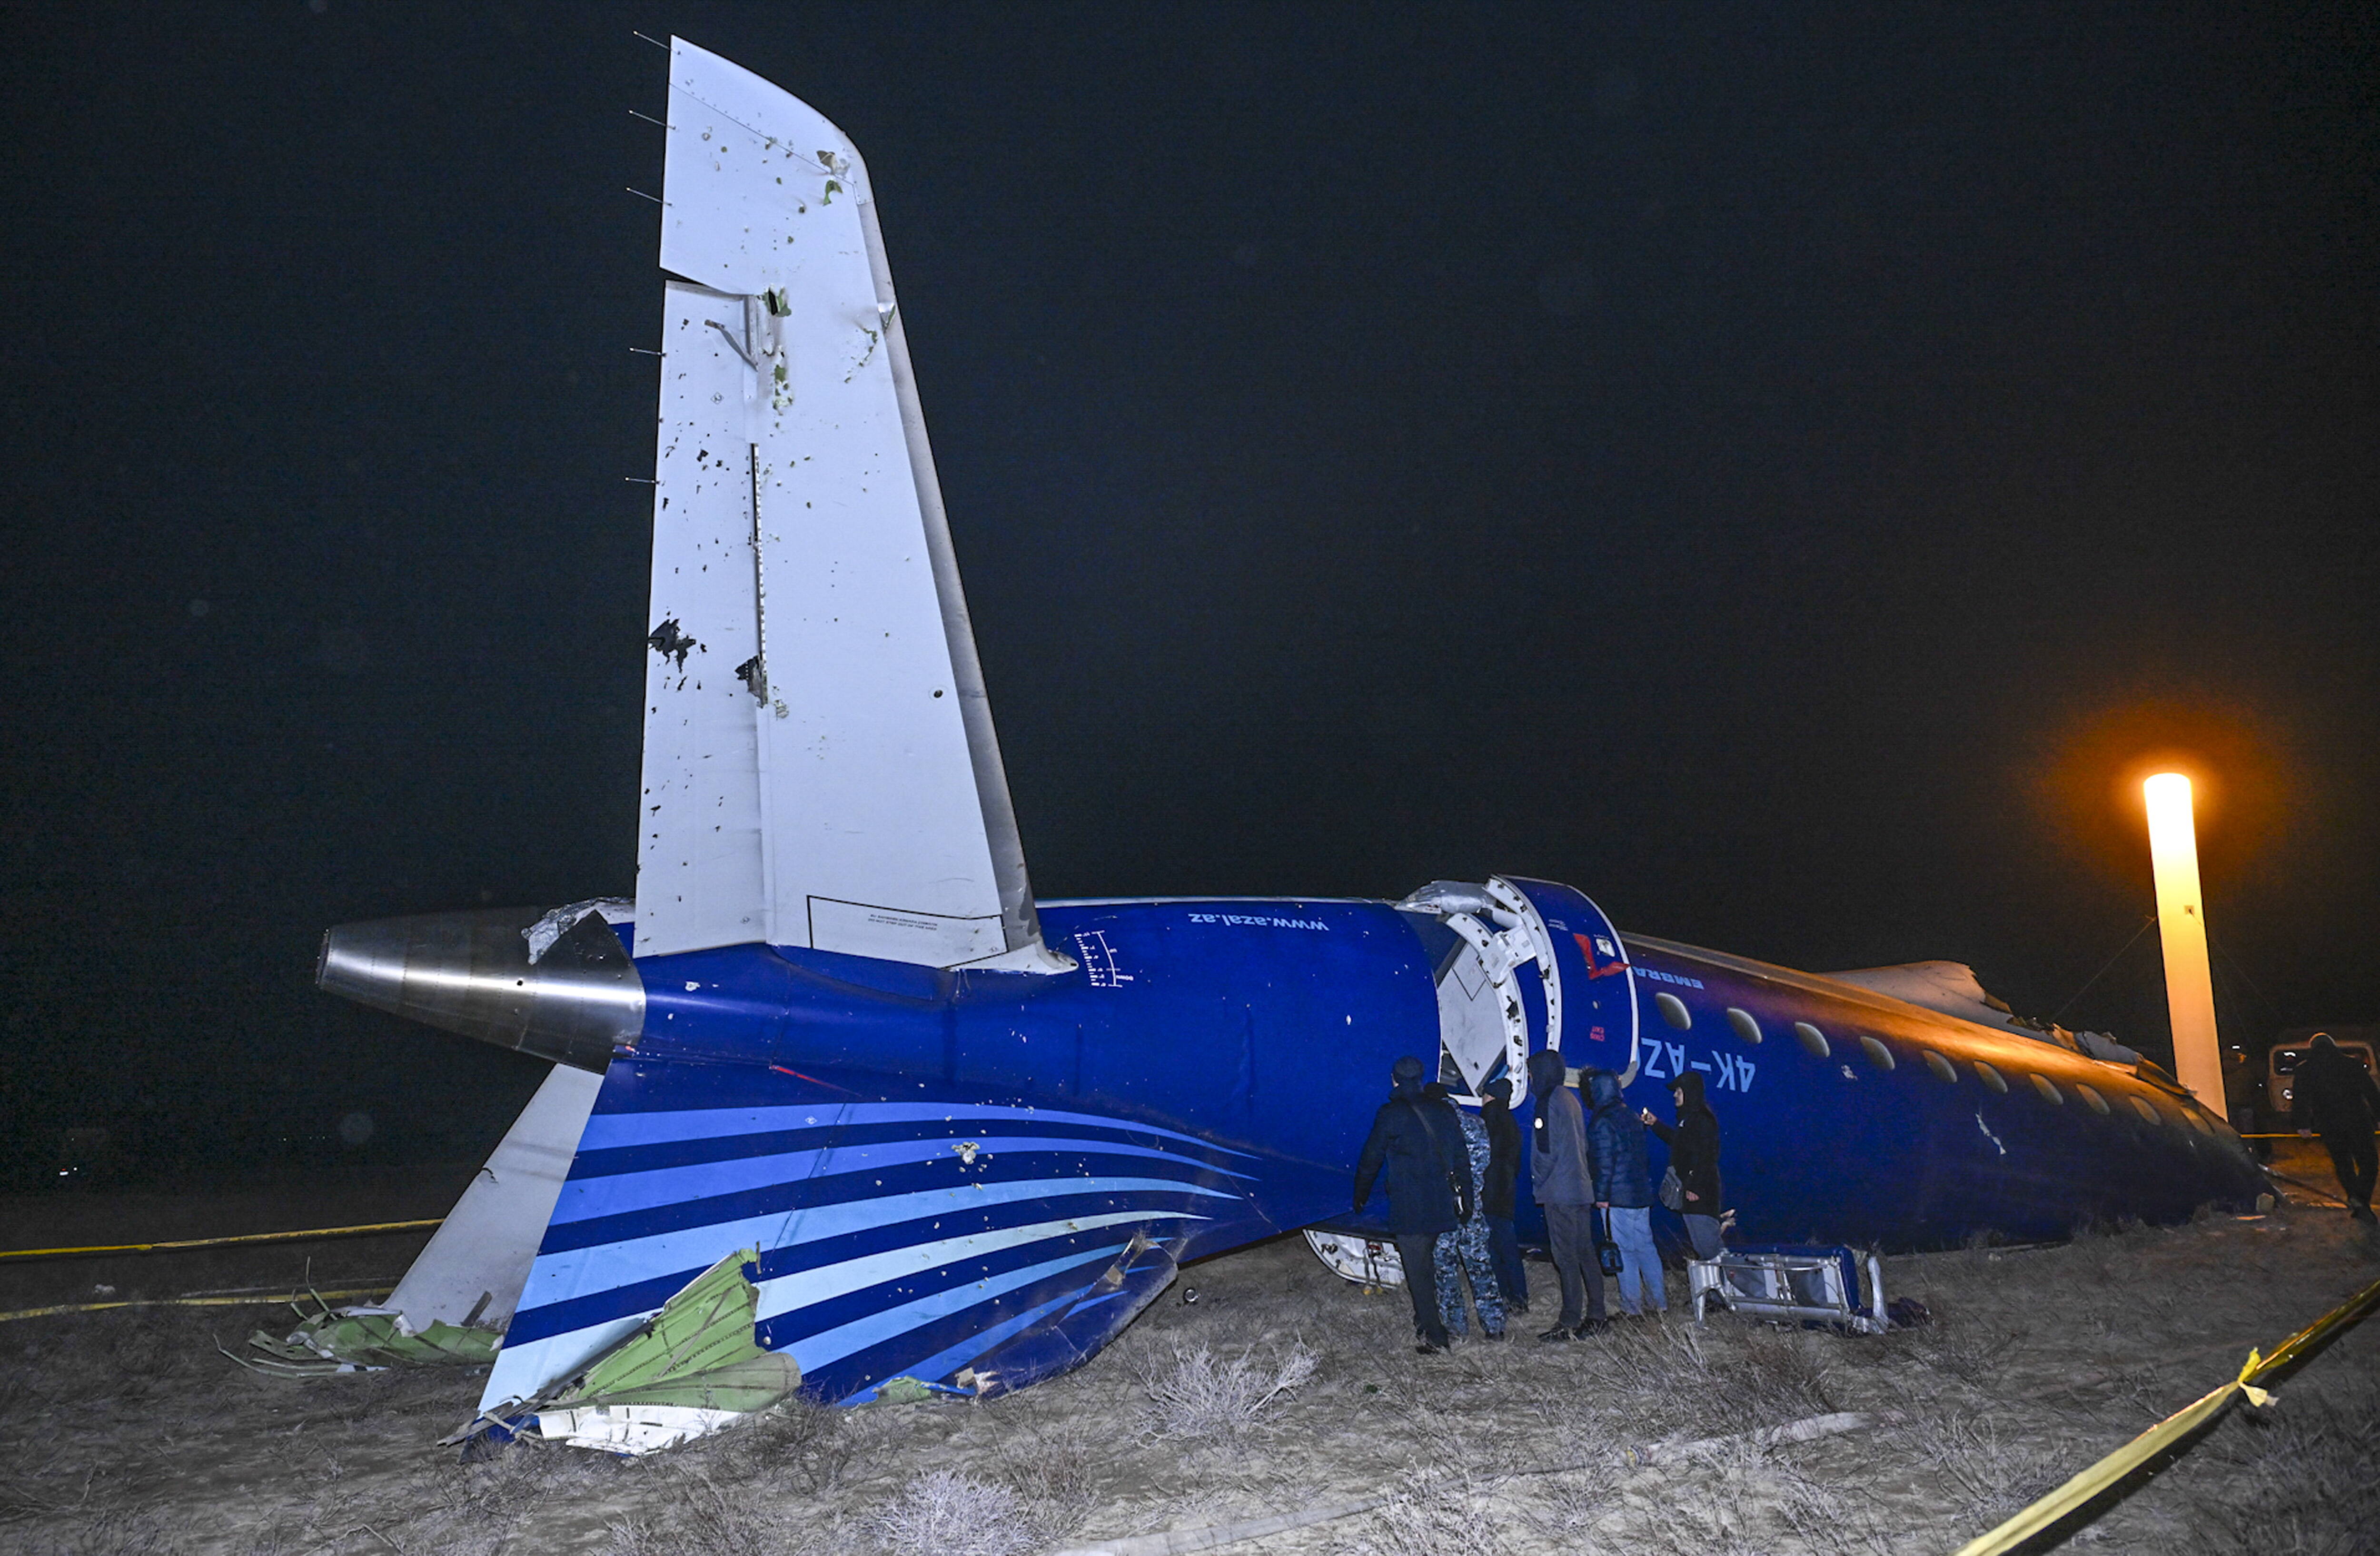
1792,1285
690,1369
365,1340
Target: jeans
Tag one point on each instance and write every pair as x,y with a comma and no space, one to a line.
1703,1232
1504,1248
1572,1237
1418,1251
1640,1268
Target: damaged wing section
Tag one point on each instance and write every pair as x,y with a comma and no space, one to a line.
970,1248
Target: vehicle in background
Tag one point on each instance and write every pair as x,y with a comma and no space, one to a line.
2289,1051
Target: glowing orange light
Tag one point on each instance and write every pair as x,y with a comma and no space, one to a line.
2181,928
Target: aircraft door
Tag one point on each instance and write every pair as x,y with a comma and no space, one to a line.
1494,938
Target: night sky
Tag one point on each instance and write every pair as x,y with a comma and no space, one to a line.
1784,471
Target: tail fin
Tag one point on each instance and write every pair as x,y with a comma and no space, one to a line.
821,768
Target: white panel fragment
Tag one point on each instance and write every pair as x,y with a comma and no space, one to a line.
632,1430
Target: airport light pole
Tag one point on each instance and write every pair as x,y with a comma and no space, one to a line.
2181,933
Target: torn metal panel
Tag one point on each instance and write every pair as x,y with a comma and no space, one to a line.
688,1370
559,922
632,1429
1064,1340
363,1340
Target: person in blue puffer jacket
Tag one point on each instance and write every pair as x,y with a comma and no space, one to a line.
1623,1182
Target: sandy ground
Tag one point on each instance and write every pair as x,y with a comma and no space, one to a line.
127,1432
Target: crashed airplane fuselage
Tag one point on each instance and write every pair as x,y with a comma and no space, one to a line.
966,1136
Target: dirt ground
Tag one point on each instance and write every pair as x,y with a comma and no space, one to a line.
1279,1387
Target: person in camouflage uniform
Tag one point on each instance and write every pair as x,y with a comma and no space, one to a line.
1465,1252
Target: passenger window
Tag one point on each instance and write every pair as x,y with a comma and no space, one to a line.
2098,1103
1878,1054
2048,1089
1745,1027
1673,1011
2148,1114
1812,1039
2198,1121
1991,1078
1944,1071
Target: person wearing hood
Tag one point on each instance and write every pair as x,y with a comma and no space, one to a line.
1694,1156
1624,1178
1564,1187
1418,1140
2334,1096
1498,1185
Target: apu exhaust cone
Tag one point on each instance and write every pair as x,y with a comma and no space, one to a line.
470,973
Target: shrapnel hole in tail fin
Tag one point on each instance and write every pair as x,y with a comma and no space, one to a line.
821,768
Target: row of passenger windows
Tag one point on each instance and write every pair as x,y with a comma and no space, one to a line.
1747,1027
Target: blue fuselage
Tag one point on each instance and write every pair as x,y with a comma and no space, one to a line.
1267,1029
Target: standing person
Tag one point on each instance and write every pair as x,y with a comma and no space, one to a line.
2335,1096
1625,1190
1498,1185
1565,1191
1463,1254
1429,1186
1694,1152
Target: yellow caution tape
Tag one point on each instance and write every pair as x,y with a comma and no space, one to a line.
224,1242
2170,1433
2291,1134
350,1295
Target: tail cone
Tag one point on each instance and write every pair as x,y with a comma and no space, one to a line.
470,973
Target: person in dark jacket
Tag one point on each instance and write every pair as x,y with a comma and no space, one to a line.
1564,1189
1498,1187
1623,1180
1693,1153
2334,1096
1419,1141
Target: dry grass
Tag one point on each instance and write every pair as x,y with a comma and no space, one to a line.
946,1511
2293,1482
1203,1395
1451,1510
1284,1387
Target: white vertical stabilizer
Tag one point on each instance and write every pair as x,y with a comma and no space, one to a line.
821,768
475,1264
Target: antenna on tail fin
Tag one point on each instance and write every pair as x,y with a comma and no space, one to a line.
820,767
